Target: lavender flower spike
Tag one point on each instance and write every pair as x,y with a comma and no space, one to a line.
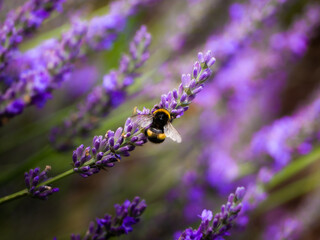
107,150
105,97
221,223
49,65
45,68
22,22
33,178
177,101
127,215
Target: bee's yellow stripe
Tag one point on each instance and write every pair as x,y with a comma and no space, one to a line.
164,111
150,133
161,136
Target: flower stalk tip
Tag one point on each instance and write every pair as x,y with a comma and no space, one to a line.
221,222
33,180
126,215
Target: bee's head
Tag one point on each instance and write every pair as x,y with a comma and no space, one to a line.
162,116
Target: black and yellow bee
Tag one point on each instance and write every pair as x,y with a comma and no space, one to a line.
157,125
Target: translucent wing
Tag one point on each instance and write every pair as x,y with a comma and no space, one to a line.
172,133
142,120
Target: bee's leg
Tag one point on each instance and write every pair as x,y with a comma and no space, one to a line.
135,110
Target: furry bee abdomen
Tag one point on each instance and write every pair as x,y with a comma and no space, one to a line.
155,135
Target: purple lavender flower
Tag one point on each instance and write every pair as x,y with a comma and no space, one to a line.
127,215
87,76
285,228
287,136
222,168
255,195
33,180
244,21
246,88
103,30
177,101
107,96
49,65
221,223
249,67
282,141
22,22
107,150
248,79
296,39
236,11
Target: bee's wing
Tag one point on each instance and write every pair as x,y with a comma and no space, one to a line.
142,120
172,133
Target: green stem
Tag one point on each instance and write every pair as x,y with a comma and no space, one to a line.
25,192
296,166
292,191
13,196
10,173
295,189
62,175
56,178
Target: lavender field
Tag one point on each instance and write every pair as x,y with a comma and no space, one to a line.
159,119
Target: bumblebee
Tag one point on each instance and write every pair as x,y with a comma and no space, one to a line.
157,125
